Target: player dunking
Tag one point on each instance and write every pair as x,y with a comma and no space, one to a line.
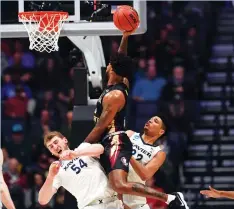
146,160
110,127
5,196
79,173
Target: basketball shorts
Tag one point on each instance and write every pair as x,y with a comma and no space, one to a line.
117,204
117,152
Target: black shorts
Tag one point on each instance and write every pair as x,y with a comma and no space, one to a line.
117,152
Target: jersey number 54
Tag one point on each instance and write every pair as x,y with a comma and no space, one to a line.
77,168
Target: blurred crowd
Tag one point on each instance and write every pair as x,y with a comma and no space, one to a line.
38,94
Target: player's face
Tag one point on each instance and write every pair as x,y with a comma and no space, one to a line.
57,145
154,127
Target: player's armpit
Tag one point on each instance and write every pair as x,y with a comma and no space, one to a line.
113,102
147,171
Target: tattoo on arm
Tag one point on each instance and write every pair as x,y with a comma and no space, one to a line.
147,191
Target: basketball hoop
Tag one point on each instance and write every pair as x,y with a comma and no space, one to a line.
43,29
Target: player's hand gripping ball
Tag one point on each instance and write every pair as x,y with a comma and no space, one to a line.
54,168
126,18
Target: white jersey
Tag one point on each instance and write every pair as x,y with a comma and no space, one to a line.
84,178
144,153
1,175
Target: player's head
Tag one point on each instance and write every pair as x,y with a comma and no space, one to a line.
55,142
120,66
155,127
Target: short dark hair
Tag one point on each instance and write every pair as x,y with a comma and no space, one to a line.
122,65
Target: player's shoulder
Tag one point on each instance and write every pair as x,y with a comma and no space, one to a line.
130,133
114,94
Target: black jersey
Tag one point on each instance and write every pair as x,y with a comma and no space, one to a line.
118,122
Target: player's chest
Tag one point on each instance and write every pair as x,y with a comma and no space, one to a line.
75,166
142,153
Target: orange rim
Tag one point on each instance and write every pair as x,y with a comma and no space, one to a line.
37,15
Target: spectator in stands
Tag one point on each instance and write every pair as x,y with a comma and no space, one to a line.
48,76
18,146
16,107
14,176
176,93
148,88
48,102
66,94
16,182
141,69
32,193
28,59
192,48
66,128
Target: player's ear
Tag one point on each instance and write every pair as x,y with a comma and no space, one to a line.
65,140
161,132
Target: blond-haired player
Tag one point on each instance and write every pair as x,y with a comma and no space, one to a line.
79,173
5,196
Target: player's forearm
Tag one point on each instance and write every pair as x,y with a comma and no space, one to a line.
92,151
46,192
123,48
6,197
227,194
140,169
95,135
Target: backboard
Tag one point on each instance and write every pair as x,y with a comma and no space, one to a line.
78,23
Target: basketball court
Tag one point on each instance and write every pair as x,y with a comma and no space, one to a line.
82,22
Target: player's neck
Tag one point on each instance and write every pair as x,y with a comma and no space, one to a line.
148,139
113,80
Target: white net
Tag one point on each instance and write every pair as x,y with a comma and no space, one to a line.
43,29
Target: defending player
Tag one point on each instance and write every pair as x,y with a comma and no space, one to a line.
214,193
5,194
146,160
82,176
110,128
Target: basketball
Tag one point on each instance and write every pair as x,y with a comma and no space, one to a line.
126,18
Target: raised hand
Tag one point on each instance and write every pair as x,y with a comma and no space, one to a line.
54,168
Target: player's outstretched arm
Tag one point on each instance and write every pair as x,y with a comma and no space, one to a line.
113,102
4,191
5,194
123,48
47,191
214,193
147,171
85,149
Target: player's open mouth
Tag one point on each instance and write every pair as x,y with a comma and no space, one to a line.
59,152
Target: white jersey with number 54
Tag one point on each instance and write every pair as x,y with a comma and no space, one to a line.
144,153
85,179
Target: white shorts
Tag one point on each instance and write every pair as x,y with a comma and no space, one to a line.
117,204
146,206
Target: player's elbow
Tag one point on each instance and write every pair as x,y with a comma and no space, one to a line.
42,201
145,177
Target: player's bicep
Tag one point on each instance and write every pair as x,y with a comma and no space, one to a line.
156,163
